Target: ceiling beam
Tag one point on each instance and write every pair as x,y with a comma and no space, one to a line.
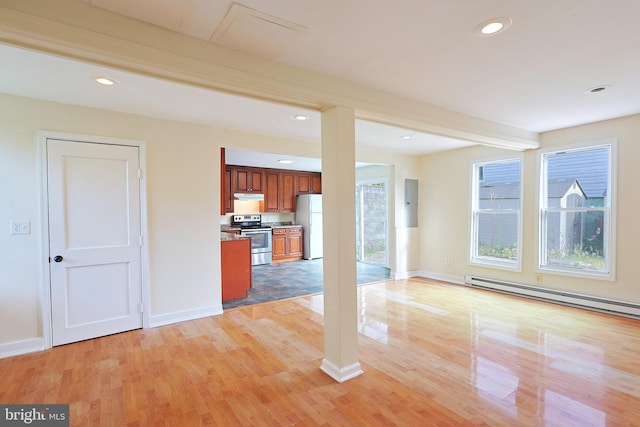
74,29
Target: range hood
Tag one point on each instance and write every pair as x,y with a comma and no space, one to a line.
248,196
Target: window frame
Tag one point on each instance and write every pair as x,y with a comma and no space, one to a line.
609,209
474,210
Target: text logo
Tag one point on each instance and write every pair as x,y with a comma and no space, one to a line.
34,415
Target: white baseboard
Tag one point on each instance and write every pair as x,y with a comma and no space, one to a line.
32,345
341,374
183,316
404,275
458,280
17,348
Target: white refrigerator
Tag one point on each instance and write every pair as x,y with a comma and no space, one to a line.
309,216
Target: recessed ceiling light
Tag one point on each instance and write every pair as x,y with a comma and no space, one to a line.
285,161
300,117
106,81
406,136
598,89
493,26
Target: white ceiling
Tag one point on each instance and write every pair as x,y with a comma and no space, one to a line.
535,75
31,74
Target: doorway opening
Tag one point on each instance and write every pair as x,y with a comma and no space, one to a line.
372,233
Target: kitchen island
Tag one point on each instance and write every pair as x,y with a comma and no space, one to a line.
236,265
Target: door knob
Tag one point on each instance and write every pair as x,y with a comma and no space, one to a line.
58,258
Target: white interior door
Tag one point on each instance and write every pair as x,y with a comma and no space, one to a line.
94,239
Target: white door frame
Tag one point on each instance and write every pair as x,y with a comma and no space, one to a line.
45,287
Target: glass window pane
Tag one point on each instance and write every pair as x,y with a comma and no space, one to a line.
496,213
578,177
498,236
575,240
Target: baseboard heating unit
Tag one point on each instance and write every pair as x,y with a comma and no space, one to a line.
588,302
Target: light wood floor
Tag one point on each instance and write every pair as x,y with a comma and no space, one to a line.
433,354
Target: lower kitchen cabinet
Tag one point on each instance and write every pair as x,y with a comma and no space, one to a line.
287,244
236,268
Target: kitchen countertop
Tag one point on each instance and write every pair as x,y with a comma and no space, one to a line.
227,237
287,224
229,227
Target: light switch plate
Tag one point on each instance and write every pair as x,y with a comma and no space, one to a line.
20,227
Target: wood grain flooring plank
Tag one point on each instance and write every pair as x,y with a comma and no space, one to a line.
433,354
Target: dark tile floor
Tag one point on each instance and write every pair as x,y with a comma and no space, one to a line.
290,279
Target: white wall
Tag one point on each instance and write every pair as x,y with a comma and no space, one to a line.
445,220
19,255
182,180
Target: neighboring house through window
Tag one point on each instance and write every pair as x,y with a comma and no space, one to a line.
576,210
495,216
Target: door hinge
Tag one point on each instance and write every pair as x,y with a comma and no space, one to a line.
141,308
139,173
140,241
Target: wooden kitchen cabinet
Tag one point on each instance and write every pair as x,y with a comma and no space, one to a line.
287,244
309,183
287,196
279,186
247,180
227,192
236,268
224,191
294,238
280,195
278,245
272,193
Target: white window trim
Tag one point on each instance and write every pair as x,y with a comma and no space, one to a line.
610,212
472,260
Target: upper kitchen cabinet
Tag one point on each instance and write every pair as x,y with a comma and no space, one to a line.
279,186
280,194
309,183
227,191
272,195
287,196
247,180
226,201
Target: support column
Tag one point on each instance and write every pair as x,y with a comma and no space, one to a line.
339,236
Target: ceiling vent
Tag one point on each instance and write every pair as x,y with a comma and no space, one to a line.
255,32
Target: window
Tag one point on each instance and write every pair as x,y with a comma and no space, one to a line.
575,210
495,216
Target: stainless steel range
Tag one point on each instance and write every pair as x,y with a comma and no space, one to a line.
251,226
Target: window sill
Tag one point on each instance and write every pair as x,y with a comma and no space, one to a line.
489,263
580,273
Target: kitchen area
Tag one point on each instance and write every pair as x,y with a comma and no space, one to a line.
277,213
260,205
